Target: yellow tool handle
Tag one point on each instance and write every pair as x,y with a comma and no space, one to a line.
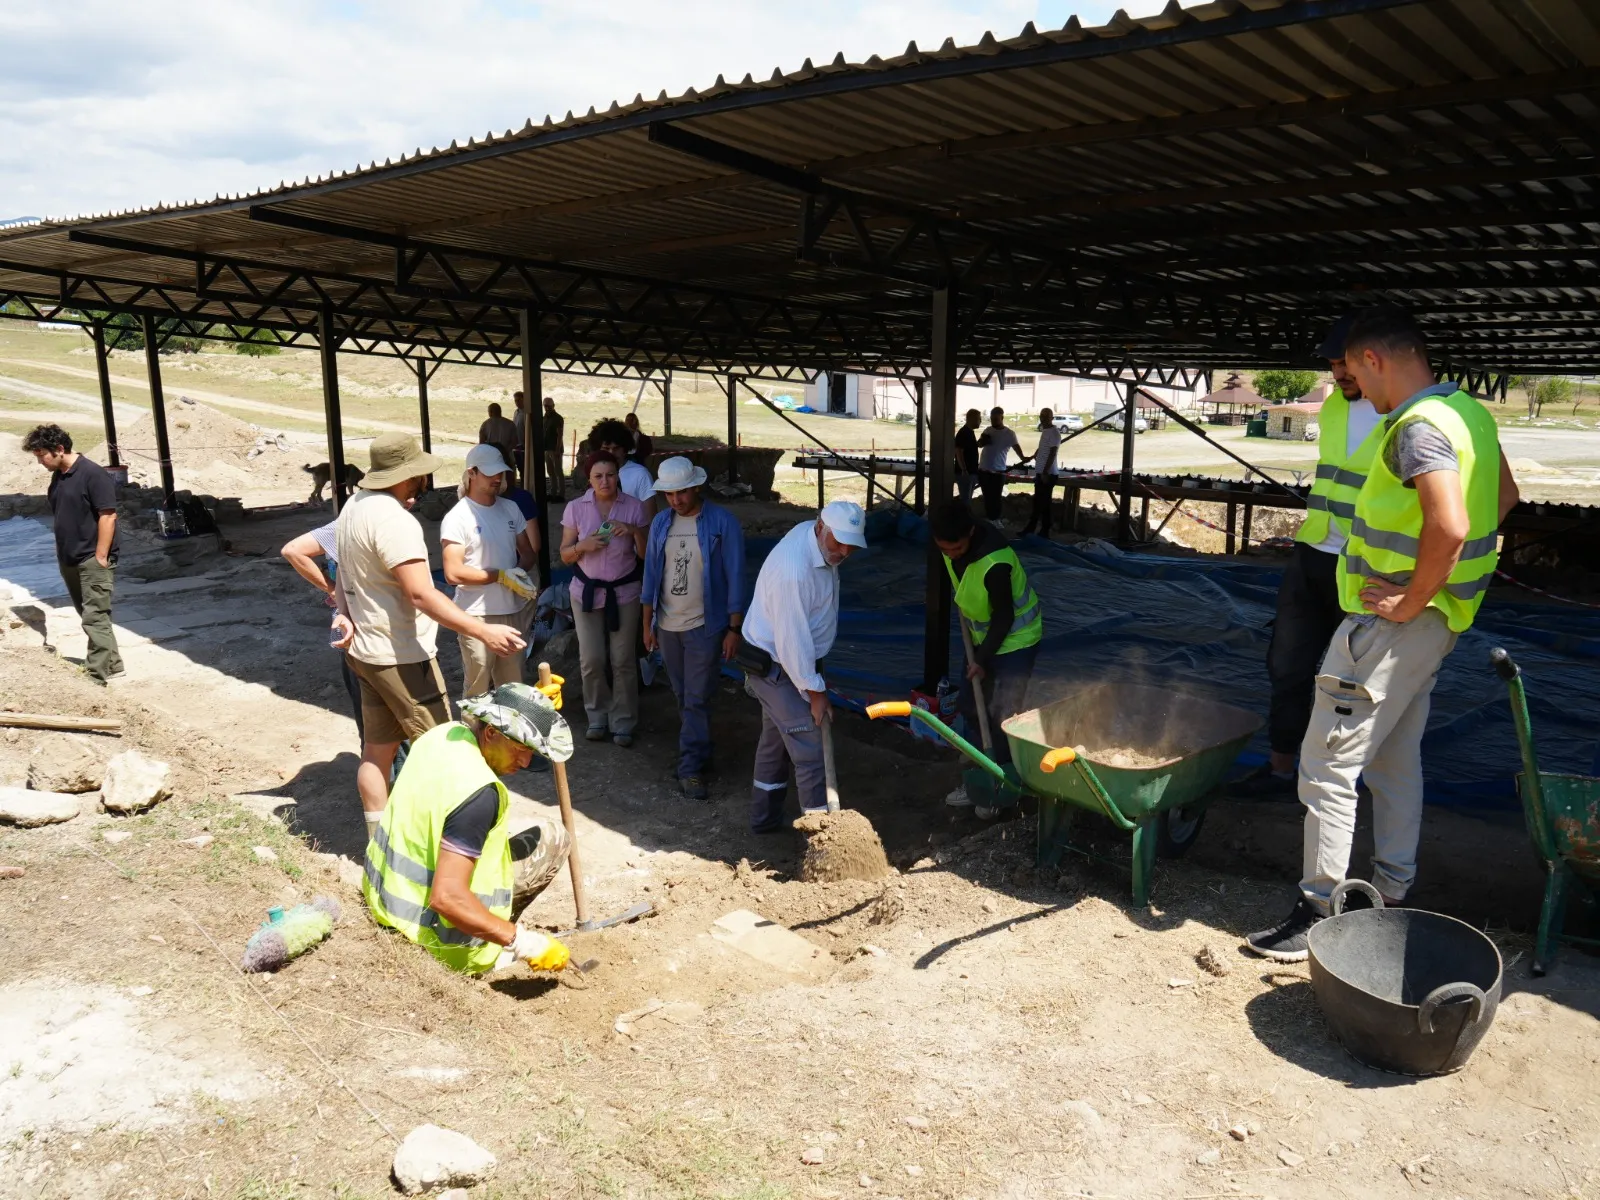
1056,758
889,708
550,685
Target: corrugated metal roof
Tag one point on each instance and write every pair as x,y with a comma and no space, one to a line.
1207,186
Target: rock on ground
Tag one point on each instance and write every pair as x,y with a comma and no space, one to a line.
63,763
133,782
28,808
431,1157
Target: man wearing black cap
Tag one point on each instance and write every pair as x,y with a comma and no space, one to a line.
1308,598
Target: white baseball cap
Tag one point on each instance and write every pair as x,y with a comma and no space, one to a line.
486,460
846,522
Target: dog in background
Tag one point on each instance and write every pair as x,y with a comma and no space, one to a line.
322,473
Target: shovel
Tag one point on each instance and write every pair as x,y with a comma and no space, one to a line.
982,788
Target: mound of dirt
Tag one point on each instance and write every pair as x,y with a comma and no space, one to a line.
841,845
19,473
214,454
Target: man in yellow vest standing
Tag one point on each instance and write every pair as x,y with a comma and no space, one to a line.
1002,609
443,867
1308,597
1422,552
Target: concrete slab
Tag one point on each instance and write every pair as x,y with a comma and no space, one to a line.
767,941
220,614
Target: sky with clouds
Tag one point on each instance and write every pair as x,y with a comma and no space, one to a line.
116,104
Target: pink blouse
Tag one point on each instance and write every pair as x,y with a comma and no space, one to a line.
617,559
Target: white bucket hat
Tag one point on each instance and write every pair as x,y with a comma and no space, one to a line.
677,473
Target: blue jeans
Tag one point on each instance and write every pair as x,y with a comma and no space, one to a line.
693,660
1006,690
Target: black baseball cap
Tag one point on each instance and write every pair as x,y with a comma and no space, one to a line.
1333,345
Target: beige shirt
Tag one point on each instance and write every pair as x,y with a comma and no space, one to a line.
376,534
683,584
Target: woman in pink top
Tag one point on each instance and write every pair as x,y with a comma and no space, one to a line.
603,536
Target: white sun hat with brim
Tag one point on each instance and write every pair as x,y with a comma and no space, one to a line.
847,522
676,474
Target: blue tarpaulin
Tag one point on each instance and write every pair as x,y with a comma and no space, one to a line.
1201,626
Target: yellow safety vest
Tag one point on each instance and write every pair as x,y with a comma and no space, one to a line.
972,598
1388,518
1339,475
443,769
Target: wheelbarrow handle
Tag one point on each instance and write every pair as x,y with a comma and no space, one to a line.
904,708
1504,665
889,708
1059,757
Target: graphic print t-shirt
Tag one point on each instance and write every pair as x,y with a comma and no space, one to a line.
683,602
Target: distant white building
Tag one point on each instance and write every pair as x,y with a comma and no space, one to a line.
876,396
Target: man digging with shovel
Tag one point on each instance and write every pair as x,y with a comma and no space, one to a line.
443,868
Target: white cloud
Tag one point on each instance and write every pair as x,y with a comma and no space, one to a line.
113,104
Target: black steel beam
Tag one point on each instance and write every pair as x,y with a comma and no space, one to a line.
328,353
1130,414
666,404
102,370
941,481
533,432
733,430
158,410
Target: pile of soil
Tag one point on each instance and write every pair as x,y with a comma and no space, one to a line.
214,454
20,475
1125,756
841,845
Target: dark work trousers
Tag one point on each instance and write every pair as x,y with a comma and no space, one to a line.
1005,688
693,660
788,736
352,685
993,484
1044,487
90,586
1308,613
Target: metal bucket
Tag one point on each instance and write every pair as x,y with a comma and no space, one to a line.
1404,991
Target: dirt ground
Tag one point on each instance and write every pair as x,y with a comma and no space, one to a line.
971,1028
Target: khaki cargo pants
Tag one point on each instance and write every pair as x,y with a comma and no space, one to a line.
1367,720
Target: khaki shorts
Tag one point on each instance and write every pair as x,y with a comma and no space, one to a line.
400,702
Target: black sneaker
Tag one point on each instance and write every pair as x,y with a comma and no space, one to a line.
693,787
1286,943
1264,784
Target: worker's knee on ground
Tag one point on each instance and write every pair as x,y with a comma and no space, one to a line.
537,854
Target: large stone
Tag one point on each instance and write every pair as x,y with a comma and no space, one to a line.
28,808
64,763
431,1157
133,782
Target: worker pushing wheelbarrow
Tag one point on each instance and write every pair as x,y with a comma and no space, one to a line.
1145,758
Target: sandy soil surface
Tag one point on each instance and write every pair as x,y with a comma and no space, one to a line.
970,1027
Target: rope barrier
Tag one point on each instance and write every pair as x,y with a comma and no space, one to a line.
1499,574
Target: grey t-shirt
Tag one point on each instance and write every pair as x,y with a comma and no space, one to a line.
1418,448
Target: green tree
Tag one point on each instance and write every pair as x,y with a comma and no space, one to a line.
256,343
1280,385
1551,389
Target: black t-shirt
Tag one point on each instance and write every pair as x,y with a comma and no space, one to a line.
967,450
467,827
77,498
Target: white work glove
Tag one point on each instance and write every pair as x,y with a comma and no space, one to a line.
517,581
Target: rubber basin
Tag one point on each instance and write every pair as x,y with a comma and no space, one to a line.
1403,990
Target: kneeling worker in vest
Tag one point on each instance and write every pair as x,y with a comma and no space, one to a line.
999,604
444,868
1421,554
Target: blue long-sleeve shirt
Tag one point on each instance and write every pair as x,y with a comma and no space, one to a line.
721,553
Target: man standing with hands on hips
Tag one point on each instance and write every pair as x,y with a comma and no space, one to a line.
793,619
1421,554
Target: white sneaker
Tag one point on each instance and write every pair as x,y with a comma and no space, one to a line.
959,799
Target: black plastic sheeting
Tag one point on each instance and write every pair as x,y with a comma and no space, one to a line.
1201,626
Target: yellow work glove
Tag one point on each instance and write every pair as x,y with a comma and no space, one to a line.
542,952
517,581
552,690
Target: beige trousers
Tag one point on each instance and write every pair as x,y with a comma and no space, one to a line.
1367,719
611,703
483,671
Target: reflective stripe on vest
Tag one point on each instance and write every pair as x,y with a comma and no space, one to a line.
972,598
1339,475
443,768
1386,530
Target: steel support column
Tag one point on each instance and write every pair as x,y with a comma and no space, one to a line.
1130,414
733,429
666,405
922,444
328,350
941,481
423,374
158,410
533,432
102,368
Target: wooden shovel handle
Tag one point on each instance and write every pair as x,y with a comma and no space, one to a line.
564,795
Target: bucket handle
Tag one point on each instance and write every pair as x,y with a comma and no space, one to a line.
1336,900
1444,994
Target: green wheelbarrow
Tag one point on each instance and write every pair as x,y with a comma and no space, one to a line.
1145,758
1563,816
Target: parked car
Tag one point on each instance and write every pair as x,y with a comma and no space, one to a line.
1069,422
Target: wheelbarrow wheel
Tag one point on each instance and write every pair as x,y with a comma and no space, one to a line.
1179,828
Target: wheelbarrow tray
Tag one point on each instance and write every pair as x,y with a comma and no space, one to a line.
1572,811
1192,741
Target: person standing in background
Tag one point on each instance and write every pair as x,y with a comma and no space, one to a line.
995,445
692,606
1044,474
520,420
555,428
967,454
83,503
497,431
643,444
482,537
